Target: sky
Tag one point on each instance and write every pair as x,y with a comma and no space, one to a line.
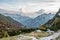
30,5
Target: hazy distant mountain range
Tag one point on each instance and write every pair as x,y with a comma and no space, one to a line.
27,21
40,20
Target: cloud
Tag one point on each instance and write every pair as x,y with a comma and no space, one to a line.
24,1
29,5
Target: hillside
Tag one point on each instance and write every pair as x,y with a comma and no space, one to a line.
54,23
9,25
8,20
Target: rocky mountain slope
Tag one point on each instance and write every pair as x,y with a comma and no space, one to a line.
7,22
38,21
54,23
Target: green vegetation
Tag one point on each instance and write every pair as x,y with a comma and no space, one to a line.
8,26
27,30
55,28
13,33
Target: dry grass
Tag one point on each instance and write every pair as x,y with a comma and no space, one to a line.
27,36
38,35
8,38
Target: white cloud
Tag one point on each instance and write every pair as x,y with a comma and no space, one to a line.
30,5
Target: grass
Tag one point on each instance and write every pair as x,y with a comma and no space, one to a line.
32,34
38,35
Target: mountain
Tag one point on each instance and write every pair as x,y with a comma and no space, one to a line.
38,21
32,23
54,23
41,19
7,22
40,11
18,17
15,15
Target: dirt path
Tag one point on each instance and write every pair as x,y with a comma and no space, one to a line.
55,35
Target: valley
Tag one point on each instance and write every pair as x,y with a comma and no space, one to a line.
43,27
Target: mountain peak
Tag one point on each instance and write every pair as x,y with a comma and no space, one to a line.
58,13
40,11
59,10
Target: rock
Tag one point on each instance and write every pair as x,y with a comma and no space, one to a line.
38,31
45,38
49,31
